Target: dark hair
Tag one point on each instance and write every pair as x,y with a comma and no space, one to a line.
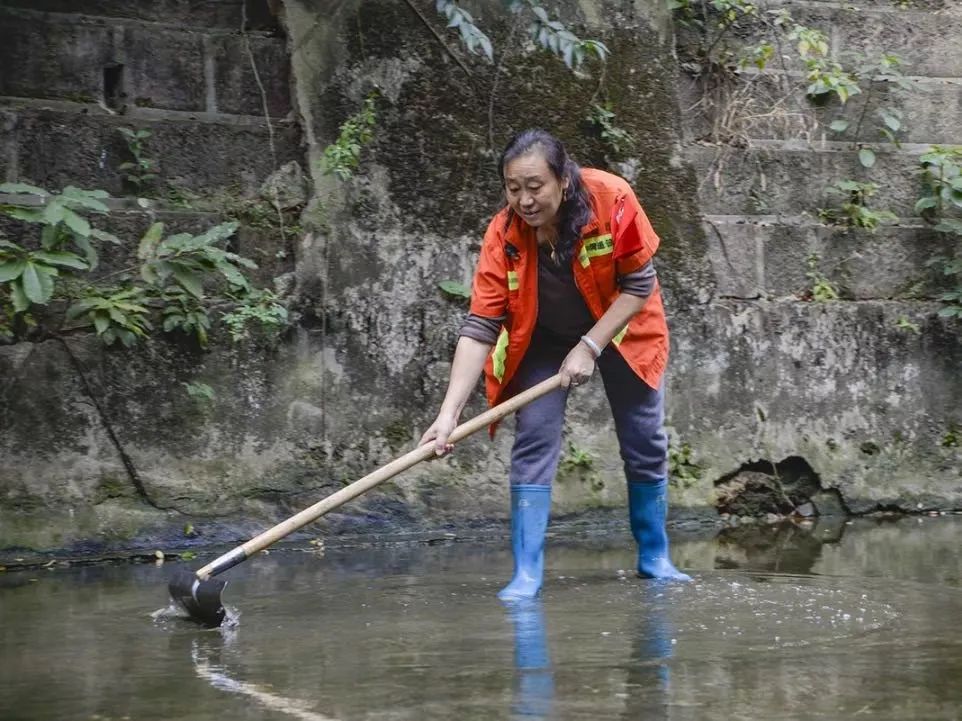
575,210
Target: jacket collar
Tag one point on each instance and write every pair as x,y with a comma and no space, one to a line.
521,236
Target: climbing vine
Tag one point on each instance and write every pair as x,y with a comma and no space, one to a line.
549,34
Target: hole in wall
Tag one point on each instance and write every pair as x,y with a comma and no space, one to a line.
784,487
114,95
262,16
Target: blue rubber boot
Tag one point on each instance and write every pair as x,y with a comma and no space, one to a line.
530,507
647,509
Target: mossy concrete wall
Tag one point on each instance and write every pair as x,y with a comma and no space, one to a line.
756,373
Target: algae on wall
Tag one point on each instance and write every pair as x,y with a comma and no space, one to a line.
754,375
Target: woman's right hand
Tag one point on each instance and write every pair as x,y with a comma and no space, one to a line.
439,432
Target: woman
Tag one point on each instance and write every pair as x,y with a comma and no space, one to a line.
565,281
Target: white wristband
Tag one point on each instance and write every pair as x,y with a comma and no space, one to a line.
592,345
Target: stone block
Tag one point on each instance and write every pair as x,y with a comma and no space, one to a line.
235,86
862,265
736,257
925,40
207,14
52,59
794,179
163,69
765,107
56,57
863,400
58,148
8,146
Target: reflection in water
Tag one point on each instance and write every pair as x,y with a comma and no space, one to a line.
216,675
804,624
782,547
649,672
534,678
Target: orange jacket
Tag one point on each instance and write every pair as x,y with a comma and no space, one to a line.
616,241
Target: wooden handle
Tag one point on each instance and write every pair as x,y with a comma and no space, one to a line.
384,473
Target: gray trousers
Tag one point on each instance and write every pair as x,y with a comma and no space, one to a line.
638,412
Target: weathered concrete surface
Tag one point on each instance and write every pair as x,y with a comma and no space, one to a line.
793,179
169,68
768,257
226,14
54,148
933,104
756,374
872,407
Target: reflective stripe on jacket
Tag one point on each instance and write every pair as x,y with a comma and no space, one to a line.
616,241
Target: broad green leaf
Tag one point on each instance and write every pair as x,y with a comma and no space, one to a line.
49,236
131,307
218,232
68,260
924,203
20,300
839,126
76,223
89,252
950,225
11,269
148,243
101,321
117,317
452,287
105,237
29,215
85,198
241,260
892,122
22,188
191,282
37,285
80,307
866,156
148,273
53,213
234,276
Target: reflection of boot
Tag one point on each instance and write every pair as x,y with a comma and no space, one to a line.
534,687
647,509
647,686
530,506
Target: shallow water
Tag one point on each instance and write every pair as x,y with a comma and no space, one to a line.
850,621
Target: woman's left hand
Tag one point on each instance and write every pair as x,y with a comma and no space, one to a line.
577,367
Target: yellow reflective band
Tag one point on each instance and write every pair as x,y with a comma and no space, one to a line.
599,245
620,337
583,258
500,354
512,280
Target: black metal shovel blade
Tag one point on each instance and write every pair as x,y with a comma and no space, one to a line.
200,599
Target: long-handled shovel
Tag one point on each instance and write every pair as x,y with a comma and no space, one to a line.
200,594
